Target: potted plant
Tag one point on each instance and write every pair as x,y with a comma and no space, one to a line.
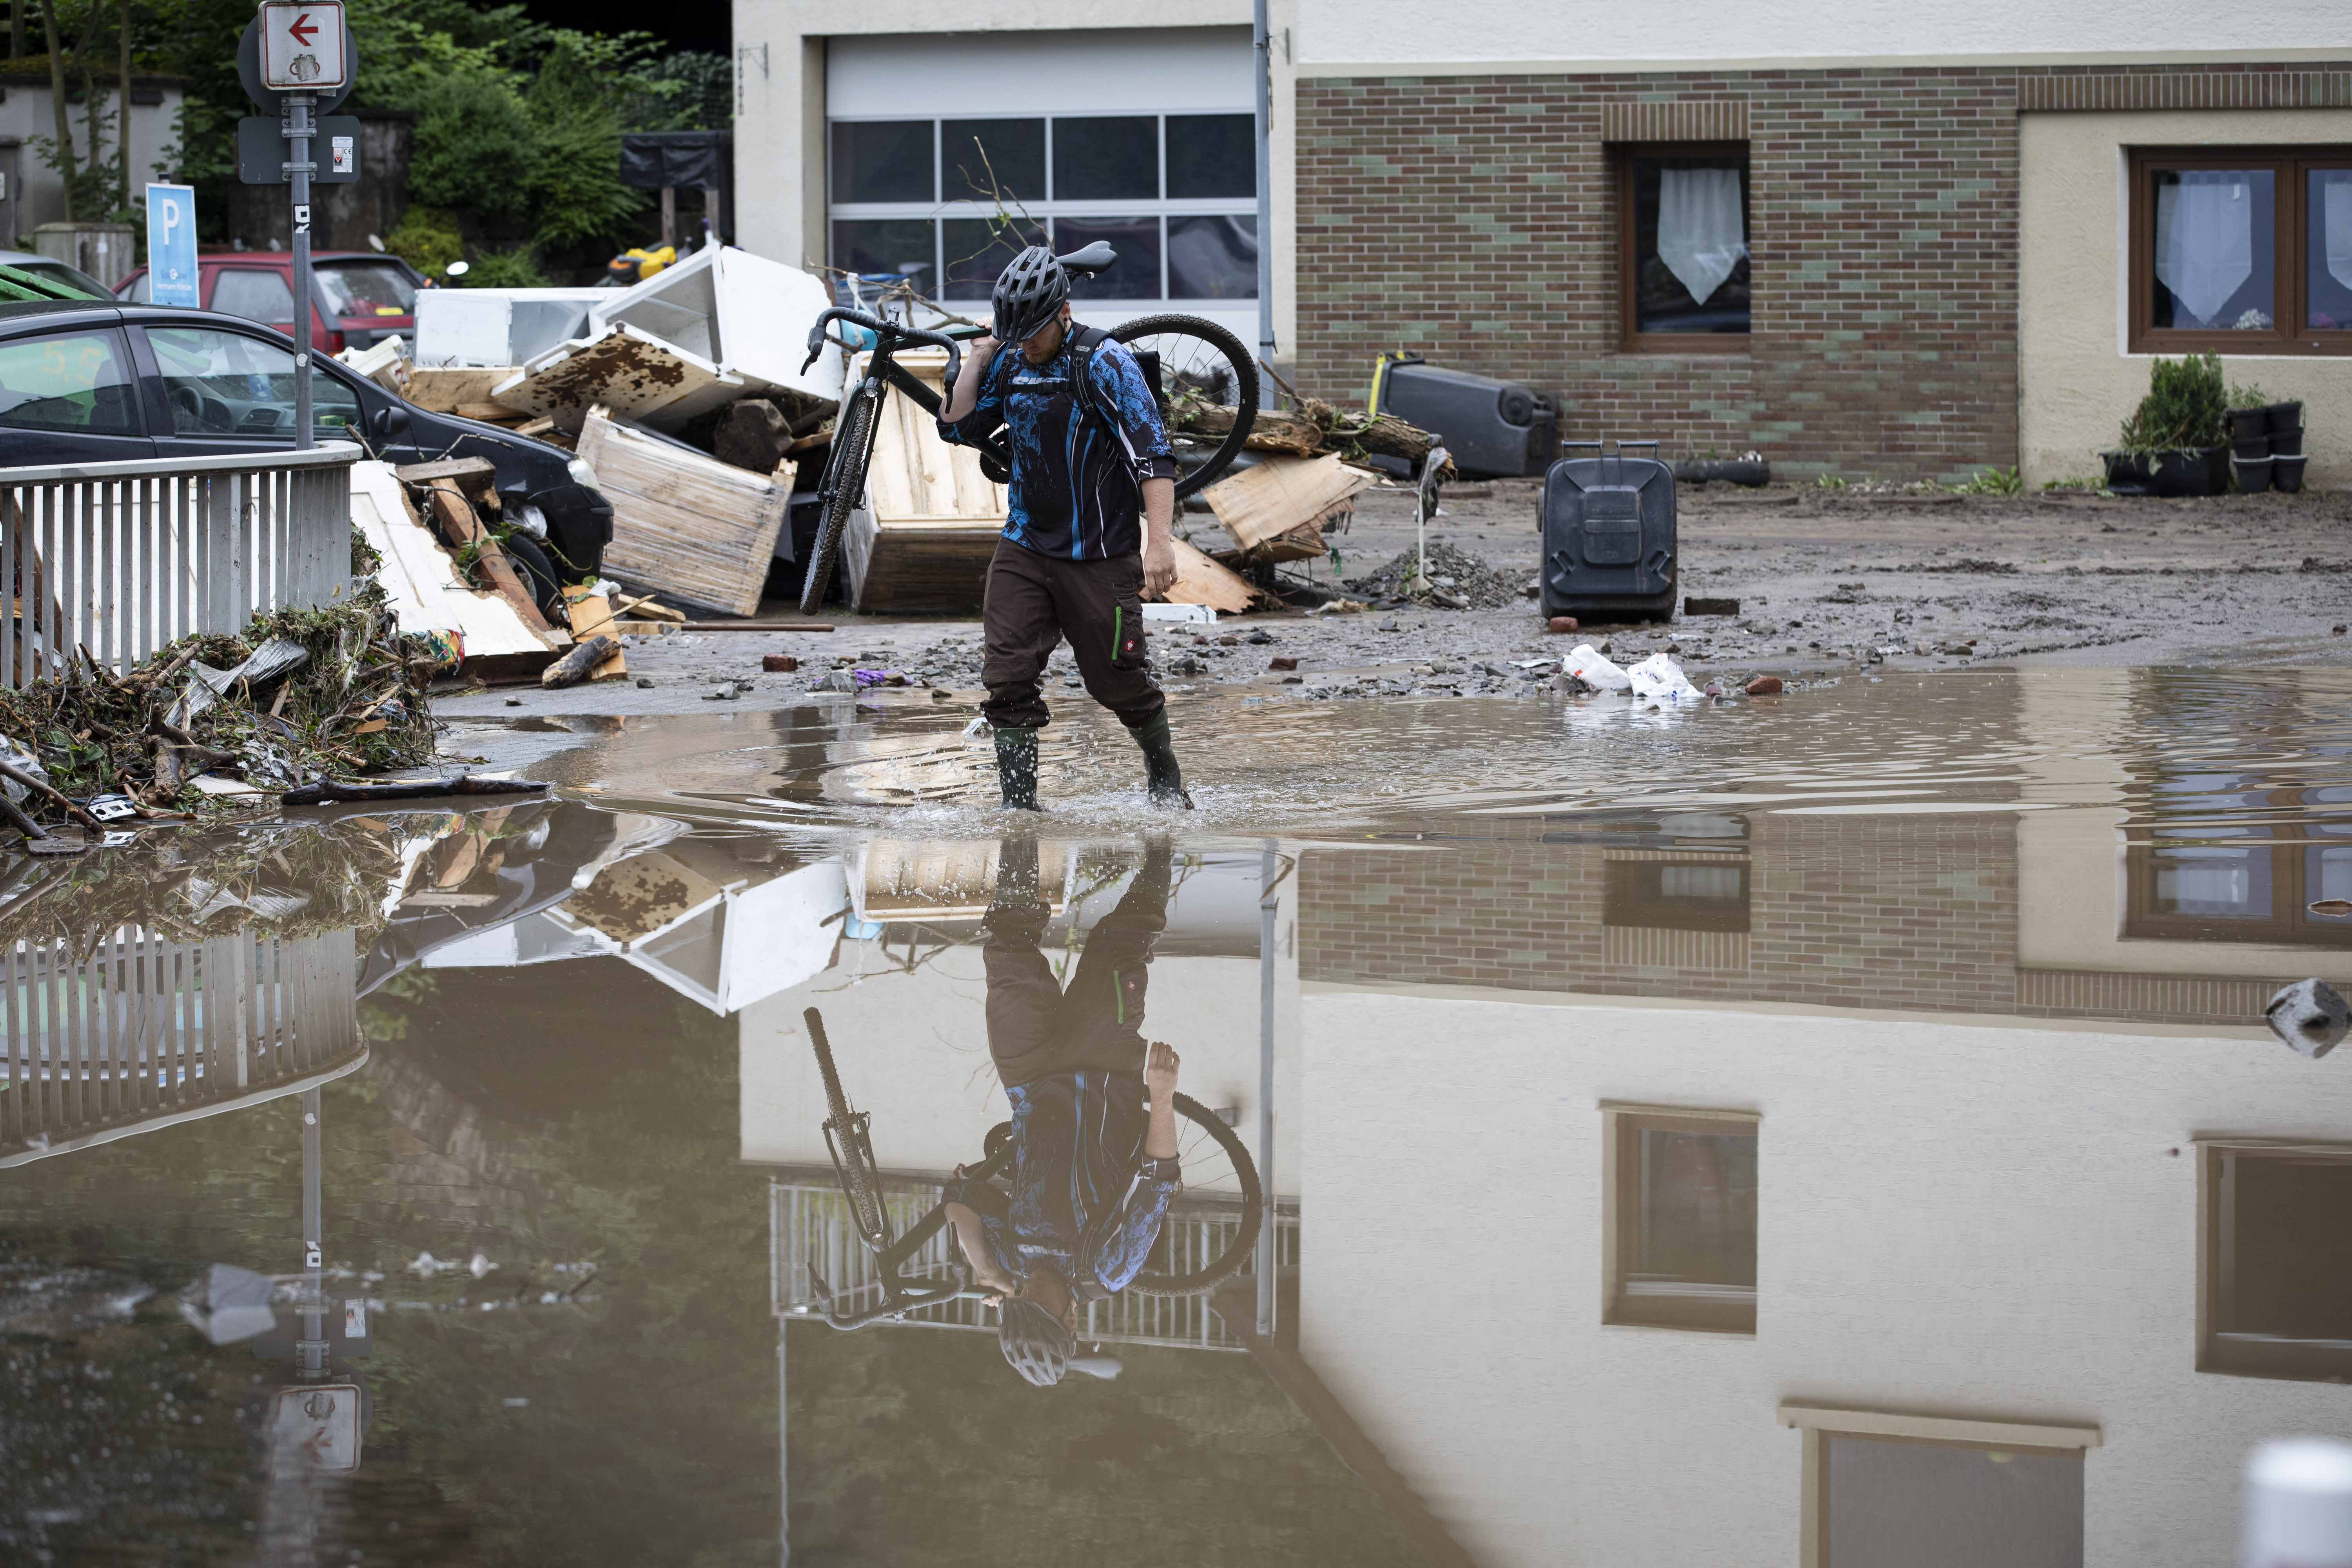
2173,445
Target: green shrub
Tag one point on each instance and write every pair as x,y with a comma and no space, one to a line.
2182,410
576,193
512,268
2248,396
474,146
427,240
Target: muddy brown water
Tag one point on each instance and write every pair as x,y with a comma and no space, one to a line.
1691,1132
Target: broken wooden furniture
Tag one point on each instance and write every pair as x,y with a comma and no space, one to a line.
687,526
427,593
1277,510
931,518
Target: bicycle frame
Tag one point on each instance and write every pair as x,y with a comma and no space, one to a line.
883,371
901,1295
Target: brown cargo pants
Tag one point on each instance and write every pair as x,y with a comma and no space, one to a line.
1033,602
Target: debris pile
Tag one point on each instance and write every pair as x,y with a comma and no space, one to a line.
1454,581
302,692
1312,428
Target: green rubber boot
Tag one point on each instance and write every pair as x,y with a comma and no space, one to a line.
1164,780
1016,768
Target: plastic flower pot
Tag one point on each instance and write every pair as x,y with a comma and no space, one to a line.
2247,422
2197,471
2285,416
2253,474
2286,474
2128,473
2244,447
2287,443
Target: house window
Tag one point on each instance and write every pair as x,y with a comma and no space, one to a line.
2274,1255
1681,1231
1684,234
952,201
1888,1491
2242,251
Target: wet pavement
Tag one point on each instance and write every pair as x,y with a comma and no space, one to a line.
1843,1117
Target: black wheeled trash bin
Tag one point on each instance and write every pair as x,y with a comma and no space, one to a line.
1493,428
1609,544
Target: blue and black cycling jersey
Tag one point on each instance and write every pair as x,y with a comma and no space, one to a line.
1077,484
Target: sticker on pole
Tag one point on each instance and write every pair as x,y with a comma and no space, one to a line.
172,245
302,46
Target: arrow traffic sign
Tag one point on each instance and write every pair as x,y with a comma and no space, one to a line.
302,46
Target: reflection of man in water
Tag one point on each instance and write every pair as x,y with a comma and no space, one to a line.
1092,1170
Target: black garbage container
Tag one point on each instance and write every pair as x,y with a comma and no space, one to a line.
1493,428
1608,534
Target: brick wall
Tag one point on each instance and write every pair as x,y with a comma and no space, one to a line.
1911,912
1472,219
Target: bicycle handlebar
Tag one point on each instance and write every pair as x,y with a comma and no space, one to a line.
882,329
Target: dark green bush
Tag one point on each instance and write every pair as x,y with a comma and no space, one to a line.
473,147
2182,410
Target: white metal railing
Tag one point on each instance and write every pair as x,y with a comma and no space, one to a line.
141,1031
124,558
809,1222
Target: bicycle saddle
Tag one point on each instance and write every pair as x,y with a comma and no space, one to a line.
1095,257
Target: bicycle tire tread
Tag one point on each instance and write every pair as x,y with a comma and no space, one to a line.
1244,367
850,445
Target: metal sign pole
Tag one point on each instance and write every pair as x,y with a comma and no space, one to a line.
312,1351
299,168
1264,42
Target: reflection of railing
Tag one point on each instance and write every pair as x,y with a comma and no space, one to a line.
124,557
141,1032
809,1221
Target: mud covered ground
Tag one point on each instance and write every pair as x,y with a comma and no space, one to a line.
1828,582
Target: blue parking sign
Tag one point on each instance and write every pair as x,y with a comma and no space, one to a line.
172,245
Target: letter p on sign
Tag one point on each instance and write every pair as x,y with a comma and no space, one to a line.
302,46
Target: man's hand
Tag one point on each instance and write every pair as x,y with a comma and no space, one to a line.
1159,567
964,395
1160,1071
1159,1077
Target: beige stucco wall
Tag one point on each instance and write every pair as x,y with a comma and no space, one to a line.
2077,382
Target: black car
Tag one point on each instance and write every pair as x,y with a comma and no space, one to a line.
83,382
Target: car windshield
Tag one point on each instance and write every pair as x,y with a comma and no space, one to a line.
366,289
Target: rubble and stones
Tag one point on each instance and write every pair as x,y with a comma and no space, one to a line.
1455,581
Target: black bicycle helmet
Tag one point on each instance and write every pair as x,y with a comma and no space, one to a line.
1029,293
1036,1344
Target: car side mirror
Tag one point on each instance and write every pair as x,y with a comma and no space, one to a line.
390,422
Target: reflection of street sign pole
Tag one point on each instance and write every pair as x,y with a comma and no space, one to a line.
299,57
172,245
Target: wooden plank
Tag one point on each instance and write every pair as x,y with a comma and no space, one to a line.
458,521
590,614
1201,581
917,474
1272,497
469,472
444,388
685,525
423,588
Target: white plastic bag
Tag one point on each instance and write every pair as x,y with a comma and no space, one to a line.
24,762
1594,669
1658,678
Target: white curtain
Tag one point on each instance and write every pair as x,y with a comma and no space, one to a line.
1701,237
2205,238
2338,205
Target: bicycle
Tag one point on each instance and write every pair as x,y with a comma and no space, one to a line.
1220,1194
1205,363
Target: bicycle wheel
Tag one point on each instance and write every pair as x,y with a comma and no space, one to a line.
845,1135
1212,1221
852,451
1200,362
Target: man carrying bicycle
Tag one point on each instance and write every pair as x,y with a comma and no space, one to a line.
1087,531
1093,1171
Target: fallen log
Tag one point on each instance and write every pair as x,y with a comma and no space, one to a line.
331,792
50,794
576,666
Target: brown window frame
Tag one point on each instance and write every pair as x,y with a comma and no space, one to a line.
1622,1223
1630,340
2222,1349
2288,924
2289,243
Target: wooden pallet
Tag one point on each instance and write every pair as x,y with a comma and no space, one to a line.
923,540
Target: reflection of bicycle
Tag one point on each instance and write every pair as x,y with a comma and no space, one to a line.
1196,371
1210,1231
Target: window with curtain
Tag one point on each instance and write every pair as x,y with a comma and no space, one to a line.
1685,262
2241,250
951,201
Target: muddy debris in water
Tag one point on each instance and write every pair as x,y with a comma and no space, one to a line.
45,1302
1456,580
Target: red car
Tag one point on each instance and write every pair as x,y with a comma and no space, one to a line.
359,297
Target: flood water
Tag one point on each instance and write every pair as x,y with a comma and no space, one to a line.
1837,1129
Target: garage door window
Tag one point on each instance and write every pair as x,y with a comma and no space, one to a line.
949,201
